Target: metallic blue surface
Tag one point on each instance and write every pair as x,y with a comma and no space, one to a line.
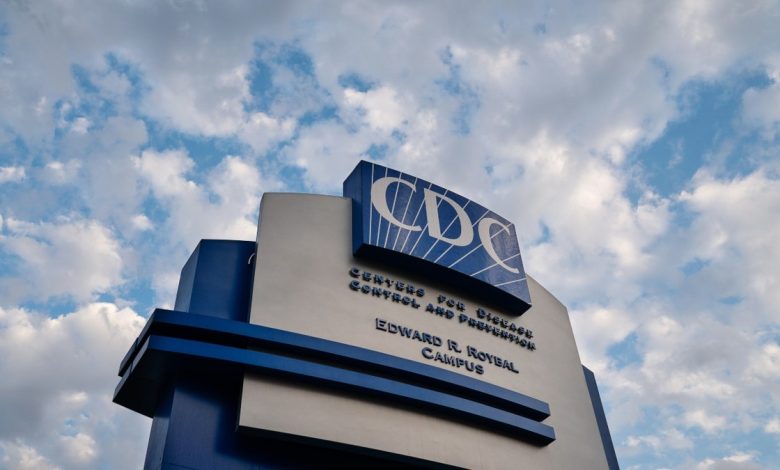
217,280
601,419
448,236
163,355
215,330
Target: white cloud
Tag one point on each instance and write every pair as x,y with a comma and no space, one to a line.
773,426
56,397
557,100
597,236
726,233
708,423
166,172
765,363
261,131
501,66
11,173
223,204
165,281
382,106
327,152
183,102
141,222
225,207
98,165
599,328
737,461
18,456
196,80
57,172
667,439
80,125
80,449
77,258
761,107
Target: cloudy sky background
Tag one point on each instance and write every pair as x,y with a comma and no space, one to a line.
635,144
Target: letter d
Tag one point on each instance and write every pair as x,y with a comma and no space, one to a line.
434,225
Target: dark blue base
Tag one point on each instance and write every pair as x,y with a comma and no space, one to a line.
195,428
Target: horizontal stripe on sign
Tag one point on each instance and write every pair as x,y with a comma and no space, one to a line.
241,334
158,354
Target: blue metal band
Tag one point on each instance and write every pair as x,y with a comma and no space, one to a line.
173,340
243,334
159,349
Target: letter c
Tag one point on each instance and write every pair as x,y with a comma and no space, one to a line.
379,200
487,241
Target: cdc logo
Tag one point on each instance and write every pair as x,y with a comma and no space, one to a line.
405,221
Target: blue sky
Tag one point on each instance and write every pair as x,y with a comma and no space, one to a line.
635,145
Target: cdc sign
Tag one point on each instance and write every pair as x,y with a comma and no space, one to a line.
403,219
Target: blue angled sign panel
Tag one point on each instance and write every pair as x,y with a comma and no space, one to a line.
404,220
